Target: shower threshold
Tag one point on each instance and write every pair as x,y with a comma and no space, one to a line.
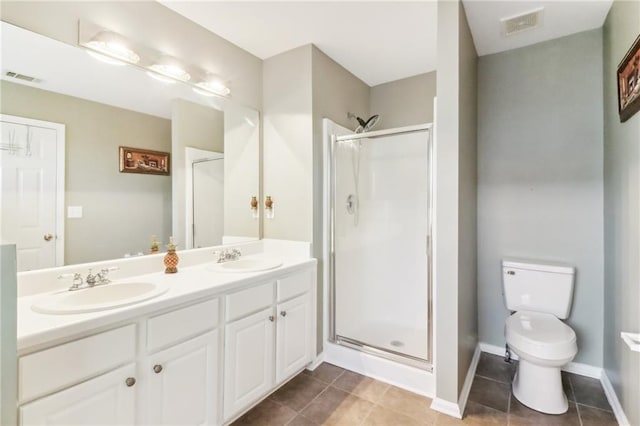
391,355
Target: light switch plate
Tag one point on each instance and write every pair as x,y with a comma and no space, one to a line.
74,212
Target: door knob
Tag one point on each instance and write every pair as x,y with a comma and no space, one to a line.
283,313
130,381
271,318
48,237
157,368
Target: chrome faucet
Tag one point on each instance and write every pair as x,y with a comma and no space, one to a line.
91,280
228,255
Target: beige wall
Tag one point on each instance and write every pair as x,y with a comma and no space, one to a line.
455,286
621,216
120,210
194,126
404,102
288,144
335,93
151,24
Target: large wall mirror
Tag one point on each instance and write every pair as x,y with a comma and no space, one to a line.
106,214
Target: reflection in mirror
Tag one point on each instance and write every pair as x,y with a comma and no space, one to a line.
108,214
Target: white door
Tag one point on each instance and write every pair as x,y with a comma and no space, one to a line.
294,337
29,205
248,362
182,385
105,400
208,202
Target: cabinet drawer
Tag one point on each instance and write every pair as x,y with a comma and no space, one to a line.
181,324
248,301
64,365
294,285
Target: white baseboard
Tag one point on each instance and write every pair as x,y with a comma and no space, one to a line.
403,376
446,407
457,410
468,381
621,417
572,367
316,362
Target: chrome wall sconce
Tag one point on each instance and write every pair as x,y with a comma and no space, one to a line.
115,49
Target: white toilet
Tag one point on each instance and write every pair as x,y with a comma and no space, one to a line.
540,295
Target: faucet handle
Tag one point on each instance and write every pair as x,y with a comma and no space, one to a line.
103,275
77,280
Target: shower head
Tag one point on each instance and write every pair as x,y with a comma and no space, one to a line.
365,126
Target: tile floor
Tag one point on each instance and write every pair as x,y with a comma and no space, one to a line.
331,395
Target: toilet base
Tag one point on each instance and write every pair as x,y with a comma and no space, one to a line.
540,388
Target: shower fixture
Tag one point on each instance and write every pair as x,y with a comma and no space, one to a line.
364,125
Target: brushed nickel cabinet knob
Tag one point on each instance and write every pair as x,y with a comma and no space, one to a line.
130,381
157,368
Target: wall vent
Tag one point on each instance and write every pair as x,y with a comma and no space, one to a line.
523,22
22,77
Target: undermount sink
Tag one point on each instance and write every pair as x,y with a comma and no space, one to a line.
247,265
99,298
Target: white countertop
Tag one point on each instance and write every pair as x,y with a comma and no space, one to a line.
191,283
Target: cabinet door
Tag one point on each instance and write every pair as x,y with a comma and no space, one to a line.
182,385
248,366
294,337
105,400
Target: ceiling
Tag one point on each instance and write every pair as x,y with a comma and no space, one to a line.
380,41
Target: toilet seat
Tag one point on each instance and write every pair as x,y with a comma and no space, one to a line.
540,335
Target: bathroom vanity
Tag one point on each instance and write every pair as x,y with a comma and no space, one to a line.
204,352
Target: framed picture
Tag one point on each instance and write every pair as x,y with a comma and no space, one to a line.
629,82
134,160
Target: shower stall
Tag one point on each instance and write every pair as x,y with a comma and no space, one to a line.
379,242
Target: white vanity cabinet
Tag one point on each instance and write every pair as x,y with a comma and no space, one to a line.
182,378
269,337
90,380
182,383
203,362
170,375
106,399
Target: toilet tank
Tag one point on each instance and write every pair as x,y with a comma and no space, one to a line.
538,287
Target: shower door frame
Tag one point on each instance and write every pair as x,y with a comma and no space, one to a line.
331,169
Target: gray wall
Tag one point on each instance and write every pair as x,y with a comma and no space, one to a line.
404,102
467,199
288,144
540,176
8,338
120,210
621,216
455,285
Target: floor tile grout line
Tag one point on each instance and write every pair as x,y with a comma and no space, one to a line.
492,379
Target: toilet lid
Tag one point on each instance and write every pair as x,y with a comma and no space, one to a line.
540,335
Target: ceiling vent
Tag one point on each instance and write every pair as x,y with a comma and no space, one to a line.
22,77
523,22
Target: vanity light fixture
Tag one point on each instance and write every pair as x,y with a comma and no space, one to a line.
254,207
211,88
111,48
268,207
171,70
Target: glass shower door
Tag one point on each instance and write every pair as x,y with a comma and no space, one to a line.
381,287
